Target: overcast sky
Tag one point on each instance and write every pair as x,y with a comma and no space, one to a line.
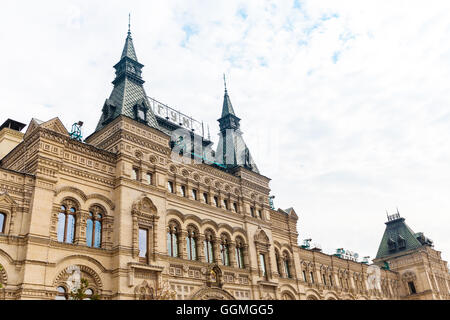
345,105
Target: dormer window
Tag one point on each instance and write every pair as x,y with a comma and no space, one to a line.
401,242
140,112
391,244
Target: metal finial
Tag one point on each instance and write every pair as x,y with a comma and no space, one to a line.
225,82
129,23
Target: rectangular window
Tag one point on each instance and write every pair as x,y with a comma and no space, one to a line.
252,211
262,262
2,222
304,276
194,194
324,279
331,281
235,207
225,204
412,287
135,174
143,243
216,201
312,277
149,178
260,214
205,197
183,191
170,186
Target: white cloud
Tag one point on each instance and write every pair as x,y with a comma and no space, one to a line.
359,133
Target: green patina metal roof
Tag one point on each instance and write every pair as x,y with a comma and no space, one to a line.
398,237
128,50
128,91
227,106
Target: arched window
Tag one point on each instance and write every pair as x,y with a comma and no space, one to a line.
240,254
2,222
172,239
94,228
287,269
277,260
208,247
61,293
66,223
225,250
191,244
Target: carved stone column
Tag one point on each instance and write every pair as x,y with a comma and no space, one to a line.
182,245
80,227
232,254
216,250
200,248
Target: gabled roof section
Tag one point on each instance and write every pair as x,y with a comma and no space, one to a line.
398,237
54,125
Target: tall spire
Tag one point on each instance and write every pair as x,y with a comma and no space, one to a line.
232,150
128,50
128,97
227,106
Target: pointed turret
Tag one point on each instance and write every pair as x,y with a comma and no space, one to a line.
232,150
128,97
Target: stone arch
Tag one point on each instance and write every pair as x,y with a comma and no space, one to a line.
191,217
207,293
312,294
237,230
211,223
277,245
287,295
102,198
95,262
286,247
6,256
174,213
66,272
144,205
72,190
65,201
100,206
225,226
290,288
261,236
331,296
225,235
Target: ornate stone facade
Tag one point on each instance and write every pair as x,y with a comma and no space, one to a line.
131,218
